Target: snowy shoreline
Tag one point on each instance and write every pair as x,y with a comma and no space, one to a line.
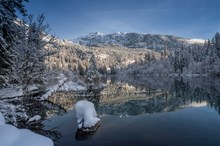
11,95
62,85
12,136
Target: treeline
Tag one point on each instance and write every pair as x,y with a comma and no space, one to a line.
108,59
187,60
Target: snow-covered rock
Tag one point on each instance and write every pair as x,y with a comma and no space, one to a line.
34,118
86,115
12,136
10,92
32,87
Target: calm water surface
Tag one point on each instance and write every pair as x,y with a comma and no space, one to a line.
146,112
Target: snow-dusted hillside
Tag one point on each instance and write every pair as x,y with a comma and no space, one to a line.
136,40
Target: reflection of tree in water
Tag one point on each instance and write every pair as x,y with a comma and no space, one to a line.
141,95
166,94
64,100
214,98
130,96
200,90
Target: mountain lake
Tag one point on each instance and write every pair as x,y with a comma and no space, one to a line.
142,111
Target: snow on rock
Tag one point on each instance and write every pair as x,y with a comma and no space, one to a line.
86,114
32,87
12,136
71,86
10,92
34,118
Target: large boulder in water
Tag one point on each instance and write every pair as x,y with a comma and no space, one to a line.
86,116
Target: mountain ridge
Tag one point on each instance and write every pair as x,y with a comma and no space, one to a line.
137,40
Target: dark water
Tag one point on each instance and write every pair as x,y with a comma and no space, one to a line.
146,112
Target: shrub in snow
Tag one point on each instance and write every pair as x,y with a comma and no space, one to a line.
12,136
86,116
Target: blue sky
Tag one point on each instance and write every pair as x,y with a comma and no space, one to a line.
73,18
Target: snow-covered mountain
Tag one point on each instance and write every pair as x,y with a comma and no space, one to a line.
137,40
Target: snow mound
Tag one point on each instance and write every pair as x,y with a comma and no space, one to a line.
12,136
86,114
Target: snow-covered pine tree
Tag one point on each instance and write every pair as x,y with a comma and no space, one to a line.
217,44
33,49
92,75
8,35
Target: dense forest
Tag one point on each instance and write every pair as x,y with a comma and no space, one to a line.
187,60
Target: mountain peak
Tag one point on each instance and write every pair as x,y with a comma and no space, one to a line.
96,34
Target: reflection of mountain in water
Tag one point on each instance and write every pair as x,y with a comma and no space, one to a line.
63,100
144,95
147,95
134,96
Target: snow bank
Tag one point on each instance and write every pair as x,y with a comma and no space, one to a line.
10,92
17,92
86,114
12,136
71,86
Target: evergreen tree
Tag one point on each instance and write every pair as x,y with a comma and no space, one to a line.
81,69
147,57
33,49
217,44
92,74
9,31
